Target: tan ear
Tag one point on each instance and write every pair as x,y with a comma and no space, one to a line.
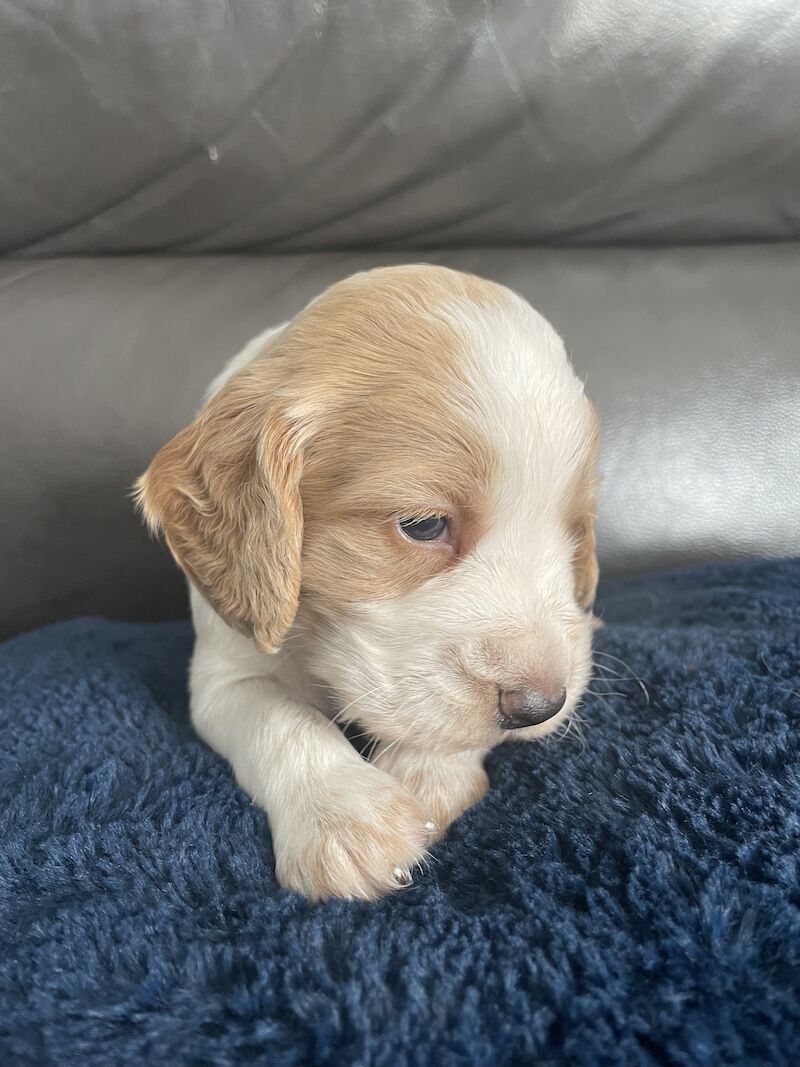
585,563
585,559
225,494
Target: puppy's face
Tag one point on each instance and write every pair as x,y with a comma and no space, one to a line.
406,475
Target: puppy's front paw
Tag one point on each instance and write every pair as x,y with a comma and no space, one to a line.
445,786
357,834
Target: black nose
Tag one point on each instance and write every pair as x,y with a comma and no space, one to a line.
528,707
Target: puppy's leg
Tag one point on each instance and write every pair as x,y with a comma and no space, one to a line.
340,827
445,786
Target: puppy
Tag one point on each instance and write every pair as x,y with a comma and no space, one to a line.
385,511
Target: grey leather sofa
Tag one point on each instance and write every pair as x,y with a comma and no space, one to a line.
176,177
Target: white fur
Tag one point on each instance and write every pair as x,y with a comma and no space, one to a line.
406,668
252,349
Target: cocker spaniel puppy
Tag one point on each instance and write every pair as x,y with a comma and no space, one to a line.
385,511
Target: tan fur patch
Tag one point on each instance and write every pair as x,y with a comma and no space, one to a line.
225,493
584,505
353,410
378,376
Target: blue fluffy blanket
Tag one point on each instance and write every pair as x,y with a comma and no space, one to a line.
628,897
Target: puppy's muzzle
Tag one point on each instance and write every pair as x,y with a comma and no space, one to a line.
528,707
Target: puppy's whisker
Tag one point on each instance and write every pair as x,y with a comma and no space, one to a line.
618,678
615,659
605,667
336,719
379,756
602,700
363,696
574,723
359,737
627,666
579,720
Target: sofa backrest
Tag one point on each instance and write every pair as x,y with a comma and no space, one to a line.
206,126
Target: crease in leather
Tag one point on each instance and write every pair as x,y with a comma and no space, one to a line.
594,151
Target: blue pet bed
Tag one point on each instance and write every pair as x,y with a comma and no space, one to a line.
629,897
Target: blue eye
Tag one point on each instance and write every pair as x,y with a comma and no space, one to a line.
430,529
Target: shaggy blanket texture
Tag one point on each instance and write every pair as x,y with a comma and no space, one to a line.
628,897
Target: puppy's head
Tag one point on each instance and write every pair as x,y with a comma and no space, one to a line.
407,474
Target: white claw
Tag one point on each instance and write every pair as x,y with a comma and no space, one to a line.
431,827
402,877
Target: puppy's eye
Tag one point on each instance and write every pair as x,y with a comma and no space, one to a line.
433,528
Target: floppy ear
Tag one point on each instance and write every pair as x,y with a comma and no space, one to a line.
585,563
225,494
